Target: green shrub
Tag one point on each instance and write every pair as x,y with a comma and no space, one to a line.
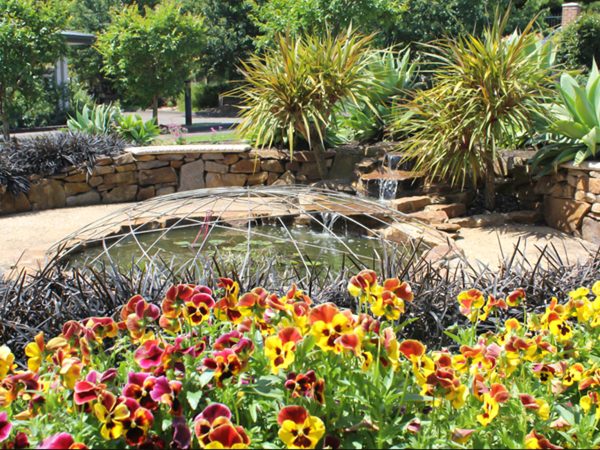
592,7
205,95
575,123
580,42
134,129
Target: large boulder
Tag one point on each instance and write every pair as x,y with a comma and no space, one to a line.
47,194
590,230
12,204
410,204
563,214
408,232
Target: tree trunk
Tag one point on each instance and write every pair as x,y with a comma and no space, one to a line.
319,152
490,183
155,108
5,128
4,119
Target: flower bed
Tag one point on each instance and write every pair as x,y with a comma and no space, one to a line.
229,370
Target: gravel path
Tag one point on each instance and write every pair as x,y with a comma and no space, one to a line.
492,244
24,238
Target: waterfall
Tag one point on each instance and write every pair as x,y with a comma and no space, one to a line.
329,219
388,187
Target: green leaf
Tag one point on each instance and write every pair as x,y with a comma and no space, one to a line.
570,129
584,108
581,156
453,336
565,414
206,377
591,139
193,398
253,410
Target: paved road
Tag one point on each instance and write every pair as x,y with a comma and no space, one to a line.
201,123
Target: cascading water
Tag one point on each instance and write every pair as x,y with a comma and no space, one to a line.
329,219
388,188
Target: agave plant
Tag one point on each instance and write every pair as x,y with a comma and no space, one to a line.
392,75
292,91
134,129
486,91
575,123
98,120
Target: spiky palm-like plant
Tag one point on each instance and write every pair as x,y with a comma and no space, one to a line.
486,91
292,90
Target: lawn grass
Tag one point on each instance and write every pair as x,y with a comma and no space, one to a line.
203,138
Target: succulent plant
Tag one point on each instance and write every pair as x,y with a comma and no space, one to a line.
575,124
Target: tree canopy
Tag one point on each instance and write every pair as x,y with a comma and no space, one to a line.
152,54
394,21
30,39
229,35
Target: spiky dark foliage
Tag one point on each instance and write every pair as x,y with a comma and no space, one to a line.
15,184
50,154
44,300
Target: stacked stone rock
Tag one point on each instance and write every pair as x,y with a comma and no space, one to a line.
139,174
572,200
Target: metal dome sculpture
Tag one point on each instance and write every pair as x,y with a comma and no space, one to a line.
299,225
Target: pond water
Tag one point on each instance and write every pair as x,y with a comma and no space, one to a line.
290,245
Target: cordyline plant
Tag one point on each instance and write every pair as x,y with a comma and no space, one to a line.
486,91
292,90
225,368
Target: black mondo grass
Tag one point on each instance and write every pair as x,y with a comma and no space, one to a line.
43,300
50,154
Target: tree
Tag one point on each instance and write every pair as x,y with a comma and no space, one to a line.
394,21
30,41
91,16
151,55
315,16
426,20
229,35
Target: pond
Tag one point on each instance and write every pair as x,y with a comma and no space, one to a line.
283,245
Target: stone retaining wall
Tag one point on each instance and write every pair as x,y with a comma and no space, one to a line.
145,172
572,200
